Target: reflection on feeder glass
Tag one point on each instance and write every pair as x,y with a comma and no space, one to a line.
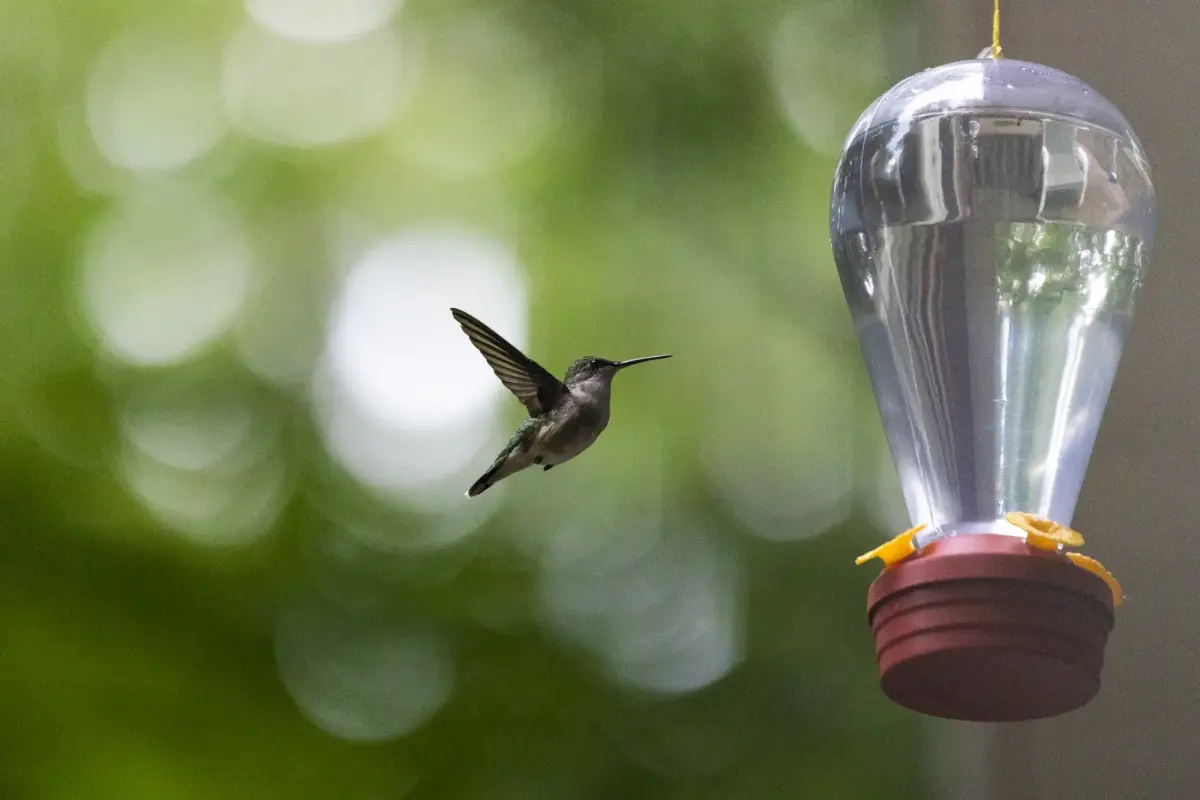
991,222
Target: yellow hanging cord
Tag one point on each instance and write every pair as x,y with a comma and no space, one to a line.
996,48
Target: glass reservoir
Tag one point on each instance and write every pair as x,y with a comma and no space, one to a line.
991,221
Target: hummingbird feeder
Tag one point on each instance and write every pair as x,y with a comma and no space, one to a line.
991,221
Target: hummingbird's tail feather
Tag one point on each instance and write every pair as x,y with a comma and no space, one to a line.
513,458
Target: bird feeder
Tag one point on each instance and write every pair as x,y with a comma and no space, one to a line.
991,221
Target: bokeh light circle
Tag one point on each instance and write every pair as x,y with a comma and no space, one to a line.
165,272
827,60
403,398
486,98
303,94
392,339
204,457
358,678
153,100
662,612
787,476
321,20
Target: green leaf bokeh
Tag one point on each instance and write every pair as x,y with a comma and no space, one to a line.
673,615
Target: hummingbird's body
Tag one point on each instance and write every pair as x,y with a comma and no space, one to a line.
565,417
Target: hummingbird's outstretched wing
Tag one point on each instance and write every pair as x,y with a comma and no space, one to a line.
524,377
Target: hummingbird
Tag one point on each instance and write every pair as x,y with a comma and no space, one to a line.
565,417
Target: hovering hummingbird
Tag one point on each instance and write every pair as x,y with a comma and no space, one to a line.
565,417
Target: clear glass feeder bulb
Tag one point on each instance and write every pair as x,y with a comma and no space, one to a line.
991,221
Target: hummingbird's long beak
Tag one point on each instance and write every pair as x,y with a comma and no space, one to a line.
632,361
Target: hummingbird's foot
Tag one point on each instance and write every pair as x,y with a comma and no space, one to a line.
548,466
538,460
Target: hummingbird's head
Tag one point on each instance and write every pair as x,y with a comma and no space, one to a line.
590,367
593,367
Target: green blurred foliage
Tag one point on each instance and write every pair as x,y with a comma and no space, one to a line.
668,206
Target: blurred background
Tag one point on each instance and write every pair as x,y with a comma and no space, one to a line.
237,419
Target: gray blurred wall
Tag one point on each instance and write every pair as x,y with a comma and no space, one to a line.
1140,506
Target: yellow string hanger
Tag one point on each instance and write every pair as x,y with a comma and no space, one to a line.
996,48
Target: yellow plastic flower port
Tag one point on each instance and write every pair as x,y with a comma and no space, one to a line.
1096,568
1044,533
894,551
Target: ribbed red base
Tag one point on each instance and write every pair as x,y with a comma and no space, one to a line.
988,629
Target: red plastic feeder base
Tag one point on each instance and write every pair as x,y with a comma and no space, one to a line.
988,629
